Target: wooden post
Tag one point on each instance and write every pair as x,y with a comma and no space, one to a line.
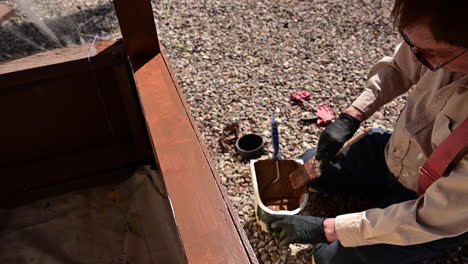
137,26
55,119
209,227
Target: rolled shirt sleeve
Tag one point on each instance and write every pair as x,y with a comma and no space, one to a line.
441,212
387,79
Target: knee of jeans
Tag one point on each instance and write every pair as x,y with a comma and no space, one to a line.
319,257
378,130
325,253
310,153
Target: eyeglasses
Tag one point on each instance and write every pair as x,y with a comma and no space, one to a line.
420,55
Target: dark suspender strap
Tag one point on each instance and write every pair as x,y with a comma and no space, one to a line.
444,158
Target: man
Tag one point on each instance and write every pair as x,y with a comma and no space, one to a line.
405,228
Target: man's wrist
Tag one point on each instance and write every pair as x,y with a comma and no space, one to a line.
329,229
356,113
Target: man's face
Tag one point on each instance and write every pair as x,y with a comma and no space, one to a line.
437,52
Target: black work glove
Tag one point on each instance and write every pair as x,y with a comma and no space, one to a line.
298,229
334,137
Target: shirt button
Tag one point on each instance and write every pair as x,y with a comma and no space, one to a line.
420,121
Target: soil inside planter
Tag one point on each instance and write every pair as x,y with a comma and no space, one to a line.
277,195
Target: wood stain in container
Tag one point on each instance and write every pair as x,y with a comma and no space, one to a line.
274,195
277,195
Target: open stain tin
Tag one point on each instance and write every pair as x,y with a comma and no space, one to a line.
250,146
273,195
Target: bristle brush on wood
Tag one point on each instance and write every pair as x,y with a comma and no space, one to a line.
311,169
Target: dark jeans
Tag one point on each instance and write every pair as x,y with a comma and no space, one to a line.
362,170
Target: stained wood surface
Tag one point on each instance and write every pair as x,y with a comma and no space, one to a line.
137,26
194,166
48,58
277,191
56,62
65,118
212,164
205,223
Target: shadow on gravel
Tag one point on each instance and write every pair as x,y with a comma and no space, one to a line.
20,37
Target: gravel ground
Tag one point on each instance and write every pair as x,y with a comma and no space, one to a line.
239,61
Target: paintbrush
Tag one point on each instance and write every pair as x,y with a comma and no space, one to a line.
276,147
311,169
276,154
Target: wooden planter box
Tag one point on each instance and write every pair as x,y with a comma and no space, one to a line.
93,119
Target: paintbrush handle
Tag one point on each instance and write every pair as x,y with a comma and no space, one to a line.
311,168
275,137
358,136
354,139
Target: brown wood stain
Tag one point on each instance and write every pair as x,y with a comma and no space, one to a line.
277,195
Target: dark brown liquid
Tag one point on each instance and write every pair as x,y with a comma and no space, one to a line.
277,195
282,204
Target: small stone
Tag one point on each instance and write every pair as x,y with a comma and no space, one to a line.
236,199
274,257
272,248
377,115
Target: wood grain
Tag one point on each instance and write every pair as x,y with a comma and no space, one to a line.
137,26
59,56
63,120
205,224
232,211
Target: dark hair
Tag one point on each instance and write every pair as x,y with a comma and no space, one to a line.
448,19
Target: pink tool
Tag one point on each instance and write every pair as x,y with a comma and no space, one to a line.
300,96
325,114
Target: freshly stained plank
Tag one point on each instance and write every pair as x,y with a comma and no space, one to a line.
52,63
137,26
65,120
232,211
51,57
206,227
140,37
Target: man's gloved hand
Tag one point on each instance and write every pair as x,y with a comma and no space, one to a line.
298,229
334,137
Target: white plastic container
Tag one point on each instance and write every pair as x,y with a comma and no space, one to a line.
273,195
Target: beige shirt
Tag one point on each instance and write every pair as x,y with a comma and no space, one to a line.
435,107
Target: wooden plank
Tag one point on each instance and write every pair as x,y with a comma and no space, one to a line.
137,26
234,216
47,58
63,120
56,62
204,221
60,56
84,181
24,181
